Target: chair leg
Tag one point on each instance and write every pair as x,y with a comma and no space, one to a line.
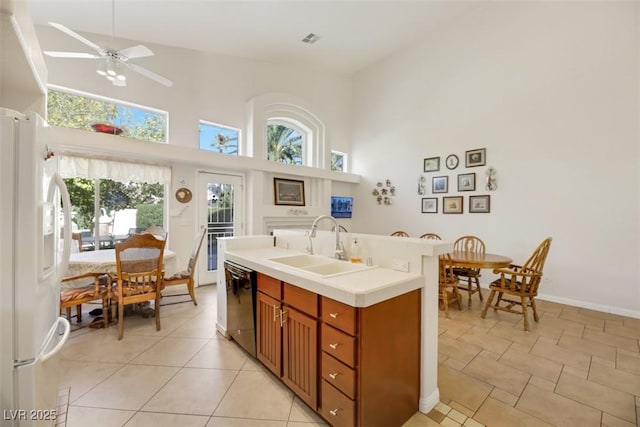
469,290
445,301
458,296
192,292
486,307
498,300
157,312
120,320
533,306
79,312
523,301
105,312
68,310
479,290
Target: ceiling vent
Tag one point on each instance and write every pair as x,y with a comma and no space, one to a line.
311,38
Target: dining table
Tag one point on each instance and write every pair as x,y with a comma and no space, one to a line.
104,261
468,259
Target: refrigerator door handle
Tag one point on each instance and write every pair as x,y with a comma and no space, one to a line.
42,356
56,179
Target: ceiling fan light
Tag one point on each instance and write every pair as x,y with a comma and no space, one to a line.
101,72
111,72
121,77
110,77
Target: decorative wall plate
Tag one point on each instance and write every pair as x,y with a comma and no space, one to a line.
183,195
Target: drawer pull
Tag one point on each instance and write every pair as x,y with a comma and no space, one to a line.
283,320
334,375
275,312
333,315
334,346
334,412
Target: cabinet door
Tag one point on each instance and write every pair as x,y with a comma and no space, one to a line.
300,351
268,334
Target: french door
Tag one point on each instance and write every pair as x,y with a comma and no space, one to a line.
220,211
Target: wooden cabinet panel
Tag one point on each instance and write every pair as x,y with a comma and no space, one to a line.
268,332
339,315
339,375
270,286
337,408
338,344
300,354
303,300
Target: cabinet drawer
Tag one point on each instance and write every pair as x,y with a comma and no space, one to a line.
340,315
270,286
337,408
339,375
339,345
303,300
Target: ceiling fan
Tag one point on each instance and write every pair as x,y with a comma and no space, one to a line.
116,60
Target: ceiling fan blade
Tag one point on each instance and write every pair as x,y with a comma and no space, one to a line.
77,37
138,51
119,83
150,74
78,55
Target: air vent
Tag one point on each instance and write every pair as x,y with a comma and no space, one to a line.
311,38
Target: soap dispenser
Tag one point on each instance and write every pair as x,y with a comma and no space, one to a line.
355,251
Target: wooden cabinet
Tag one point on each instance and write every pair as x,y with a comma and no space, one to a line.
354,366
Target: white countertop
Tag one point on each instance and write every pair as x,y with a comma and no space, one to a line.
357,289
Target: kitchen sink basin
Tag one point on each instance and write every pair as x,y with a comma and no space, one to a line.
320,265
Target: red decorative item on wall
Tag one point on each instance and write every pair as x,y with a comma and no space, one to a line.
106,128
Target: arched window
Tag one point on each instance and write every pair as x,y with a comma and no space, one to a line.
287,142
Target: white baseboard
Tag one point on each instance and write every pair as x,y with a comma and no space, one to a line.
427,403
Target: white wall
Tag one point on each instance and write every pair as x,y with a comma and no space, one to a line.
550,89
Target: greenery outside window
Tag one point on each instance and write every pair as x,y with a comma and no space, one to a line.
338,161
219,138
78,110
286,142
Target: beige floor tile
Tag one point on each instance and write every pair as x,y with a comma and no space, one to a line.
83,417
583,317
615,378
532,364
253,365
594,348
491,372
549,307
568,327
472,423
204,327
138,325
611,421
301,424
556,409
615,328
219,353
269,398
150,419
82,376
243,422
192,391
497,414
630,322
448,422
625,343
504,397
420,420
171,351
459,350
614,402
548,349
102,345
461,408
514,334
462,388
129,388
542,383
457,416
453,363
628,361
486,341
302,413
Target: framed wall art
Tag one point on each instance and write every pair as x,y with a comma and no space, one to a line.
440,184
432,164
288,192
430,205
467,182
452,205
452,161
479,204
476,157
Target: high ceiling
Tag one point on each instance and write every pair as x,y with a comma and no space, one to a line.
353,33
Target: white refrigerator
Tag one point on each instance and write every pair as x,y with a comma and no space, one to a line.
35,237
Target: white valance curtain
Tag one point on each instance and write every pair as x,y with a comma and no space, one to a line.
83,167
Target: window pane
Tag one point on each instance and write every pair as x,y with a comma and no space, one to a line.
218,138
284,144
75,111
337,161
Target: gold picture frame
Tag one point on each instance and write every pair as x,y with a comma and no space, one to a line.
289,192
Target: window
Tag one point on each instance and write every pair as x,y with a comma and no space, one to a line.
219,138
286,143
77,110
338,161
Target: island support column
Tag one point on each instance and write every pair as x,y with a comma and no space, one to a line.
429,394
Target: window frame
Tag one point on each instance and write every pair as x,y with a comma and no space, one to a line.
305,141
239,150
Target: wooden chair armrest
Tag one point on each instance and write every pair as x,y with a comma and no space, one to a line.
82,276
513,268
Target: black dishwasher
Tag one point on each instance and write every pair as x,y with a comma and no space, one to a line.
241,305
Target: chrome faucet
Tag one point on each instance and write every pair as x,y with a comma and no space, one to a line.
339,251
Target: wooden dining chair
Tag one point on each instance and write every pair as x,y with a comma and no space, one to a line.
400,233
97,288
521,283
139,275
448,284
470,275
185,277
157,231
431,236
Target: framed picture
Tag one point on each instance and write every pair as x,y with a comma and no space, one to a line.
467,181
452,205
432,164
440,184
475,157
288,192
430,205
452,161
479,204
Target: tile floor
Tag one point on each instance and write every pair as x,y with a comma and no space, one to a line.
575,368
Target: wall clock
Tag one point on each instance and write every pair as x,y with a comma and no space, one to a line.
452,161
183,195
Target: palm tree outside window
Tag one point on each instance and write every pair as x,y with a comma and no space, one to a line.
285,143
